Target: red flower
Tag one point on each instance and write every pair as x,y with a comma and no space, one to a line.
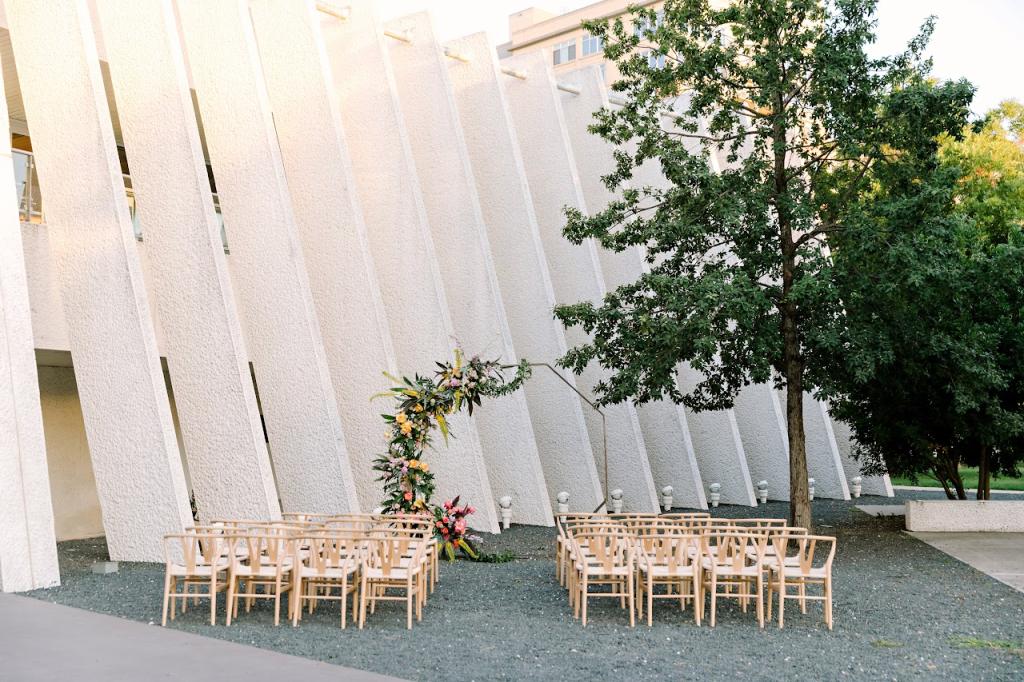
407,496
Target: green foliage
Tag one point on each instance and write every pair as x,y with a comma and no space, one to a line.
927,361
497,557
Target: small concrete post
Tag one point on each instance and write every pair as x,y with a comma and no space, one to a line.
666,498
617,501
856,485
810,489
563,502
505,503
715,490
762,492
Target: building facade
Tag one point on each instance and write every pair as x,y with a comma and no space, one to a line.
224,219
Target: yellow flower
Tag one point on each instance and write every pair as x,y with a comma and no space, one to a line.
417,408
424,467
406,428
401,418
414,463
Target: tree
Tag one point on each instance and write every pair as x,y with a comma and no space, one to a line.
737,278
928,363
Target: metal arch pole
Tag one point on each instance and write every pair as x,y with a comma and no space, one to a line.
604,424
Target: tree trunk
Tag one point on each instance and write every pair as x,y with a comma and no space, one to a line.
950,471
984,474
799,497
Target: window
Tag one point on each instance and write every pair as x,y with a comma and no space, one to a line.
564,52
592,44
655,60
604,71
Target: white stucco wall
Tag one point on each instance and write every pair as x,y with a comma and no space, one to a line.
28,548
870,485
48,327
465,261
575,271
332,231
664,426
761,420
823,460
76,511
555,411
267,266
135,457
403,250
187,273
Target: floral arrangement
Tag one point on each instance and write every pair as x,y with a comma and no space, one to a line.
424,403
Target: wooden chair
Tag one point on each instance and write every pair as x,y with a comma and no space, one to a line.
264,560
800,561
603,556
196,559
331,563
668,559
726,563
393,563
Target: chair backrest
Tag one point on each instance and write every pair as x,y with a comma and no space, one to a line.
608,547
331,550
671,550
388,553
809,551
733,548
195,550
255,548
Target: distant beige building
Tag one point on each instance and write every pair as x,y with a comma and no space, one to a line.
571,46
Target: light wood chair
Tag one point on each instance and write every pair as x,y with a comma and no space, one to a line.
195,559
331,563
726,563
264,560
603,556
393,563
669,559
801,561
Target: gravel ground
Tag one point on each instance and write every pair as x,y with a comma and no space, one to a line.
903,610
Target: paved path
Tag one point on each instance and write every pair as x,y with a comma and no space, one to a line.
1000,555
40,641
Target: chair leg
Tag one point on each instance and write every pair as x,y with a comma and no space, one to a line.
167,597
803,595
771,595
277,601
213,597
760,602
650,600
583,599
714,598
632,604
232,581
174,599
828,602
782,599
408,603
296,607
362,602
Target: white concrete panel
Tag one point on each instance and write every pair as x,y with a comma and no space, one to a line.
575,271
28,547
131,438
870,485
464,256
555,411
762,424
48,328
664,426
228,464
824,463
331,226
282,331
400,241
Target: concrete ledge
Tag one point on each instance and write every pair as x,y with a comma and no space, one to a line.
999,516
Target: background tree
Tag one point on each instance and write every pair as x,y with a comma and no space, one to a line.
927,364
737,279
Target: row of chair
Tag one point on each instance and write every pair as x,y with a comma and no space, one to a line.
310,558
691,557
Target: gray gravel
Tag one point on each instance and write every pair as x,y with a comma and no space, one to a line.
902,611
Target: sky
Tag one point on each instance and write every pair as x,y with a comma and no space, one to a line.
976,39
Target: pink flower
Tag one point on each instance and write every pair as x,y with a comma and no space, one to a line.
407,496
460,526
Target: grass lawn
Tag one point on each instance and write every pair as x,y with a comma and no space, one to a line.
970,477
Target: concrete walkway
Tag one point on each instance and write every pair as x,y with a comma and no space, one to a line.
40,641
1000,555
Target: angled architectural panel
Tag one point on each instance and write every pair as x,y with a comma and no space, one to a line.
555,411
664,424
871,485
188,273
464,258
330,223
269,273
400,241
762,424
135,457
824,462
575,271
28,548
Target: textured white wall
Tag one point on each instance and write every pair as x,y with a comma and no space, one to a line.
823,460
187,273
282,331
762,423
575,271
870,485
403,251
48,328
555,411
666,434
131,437
331,226
76,513
464,258
28,548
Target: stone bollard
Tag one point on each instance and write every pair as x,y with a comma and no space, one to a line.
762,492
715,493
855,486
505,503
617,501
810,489
563,502
666,498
